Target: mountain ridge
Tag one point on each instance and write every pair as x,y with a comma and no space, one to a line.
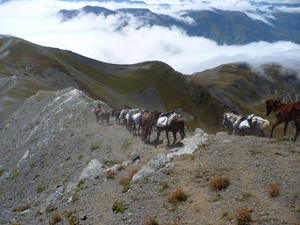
223,26
203,97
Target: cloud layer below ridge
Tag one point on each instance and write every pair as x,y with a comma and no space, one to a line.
96,37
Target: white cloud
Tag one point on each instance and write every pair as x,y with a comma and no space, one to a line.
96,37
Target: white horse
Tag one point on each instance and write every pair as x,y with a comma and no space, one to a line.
254,122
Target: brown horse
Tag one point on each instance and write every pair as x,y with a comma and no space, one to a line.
176,125
147,121
284,113
116,113
101,114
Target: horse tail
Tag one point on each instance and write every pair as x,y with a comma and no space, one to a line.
264,124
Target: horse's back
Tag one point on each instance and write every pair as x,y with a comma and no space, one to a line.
289,112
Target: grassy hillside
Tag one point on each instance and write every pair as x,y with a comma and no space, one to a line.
202,97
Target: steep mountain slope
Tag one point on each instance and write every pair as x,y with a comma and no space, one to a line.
201,98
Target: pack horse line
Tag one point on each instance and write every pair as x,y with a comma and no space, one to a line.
135,119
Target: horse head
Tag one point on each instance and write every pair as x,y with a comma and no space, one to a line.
224,120
272,105
180,121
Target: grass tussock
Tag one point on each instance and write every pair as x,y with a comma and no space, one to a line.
274,190
219,183
150,221
111,174
128,178
21,208
242,216
177,196
55,218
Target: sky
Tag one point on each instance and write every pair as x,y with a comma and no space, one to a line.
95,36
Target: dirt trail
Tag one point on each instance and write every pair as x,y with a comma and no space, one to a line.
250,163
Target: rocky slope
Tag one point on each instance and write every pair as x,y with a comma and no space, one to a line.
54,162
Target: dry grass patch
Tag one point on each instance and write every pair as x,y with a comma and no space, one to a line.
150,221
274,190
243,216
177,196
219,183
128,178
111,174
21,208
56,218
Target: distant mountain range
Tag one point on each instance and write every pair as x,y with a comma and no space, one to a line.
202,98
224,27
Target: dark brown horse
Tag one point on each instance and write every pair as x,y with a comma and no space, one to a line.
116,113
284,113
101,114
176,125
147,122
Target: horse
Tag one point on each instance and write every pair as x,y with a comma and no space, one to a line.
255,122
232,119
130,122
147,121
123,114
284,113
101,114
177,124
116,113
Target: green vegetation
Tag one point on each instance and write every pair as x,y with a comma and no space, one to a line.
126,144
42,187
119,207
14,175
95,146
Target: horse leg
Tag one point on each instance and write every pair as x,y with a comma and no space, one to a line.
297,129
157,137
167,134
285,128
149,134
275,124
174,137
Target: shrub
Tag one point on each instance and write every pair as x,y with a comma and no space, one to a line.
219,183
177,196
242,216
150,221
110,174
274,190
56,217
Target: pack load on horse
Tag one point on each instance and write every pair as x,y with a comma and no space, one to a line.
175,124
284,113
130,121
165,119
123,114
241,123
